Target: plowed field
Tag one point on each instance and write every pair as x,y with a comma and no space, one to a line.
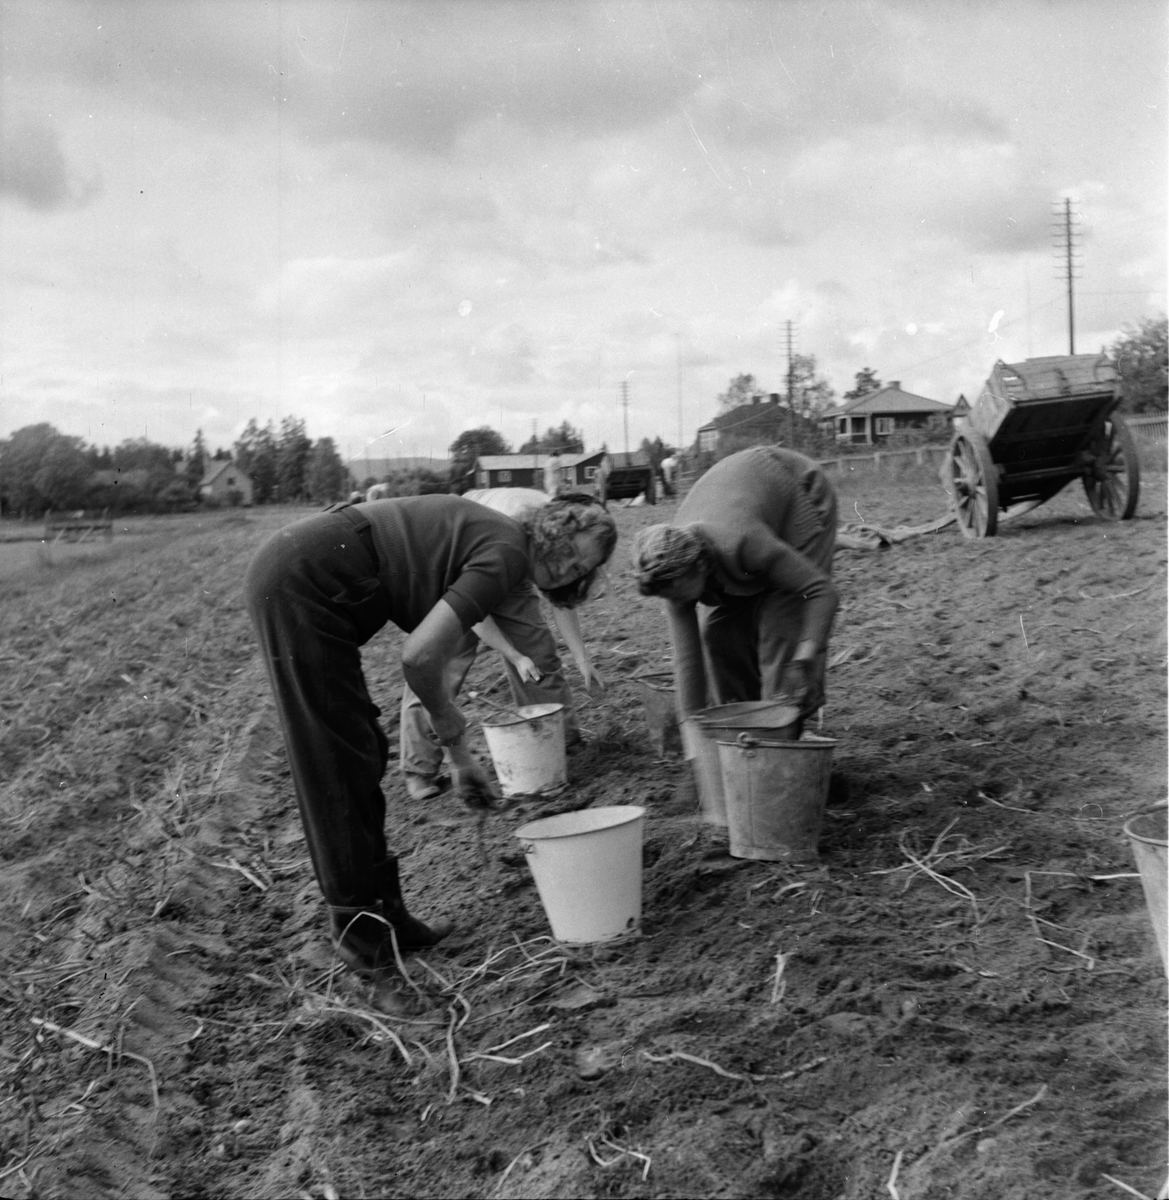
962,999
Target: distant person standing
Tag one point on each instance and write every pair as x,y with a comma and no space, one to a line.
552,480
669,469
752,542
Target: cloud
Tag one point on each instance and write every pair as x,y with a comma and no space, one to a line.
411,75
33,169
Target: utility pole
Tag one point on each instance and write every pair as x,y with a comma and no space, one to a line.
678,336
1065,231
791,390
791,386
624,402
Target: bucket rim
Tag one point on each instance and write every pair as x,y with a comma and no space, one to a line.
744,711
774,744
526,712
630,812
1155,811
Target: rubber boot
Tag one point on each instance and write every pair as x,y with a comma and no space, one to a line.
362,934
412,933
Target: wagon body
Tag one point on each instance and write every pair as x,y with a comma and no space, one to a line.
1036,426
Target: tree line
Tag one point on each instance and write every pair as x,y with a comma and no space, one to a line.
42,468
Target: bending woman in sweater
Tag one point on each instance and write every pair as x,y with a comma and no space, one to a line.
752,543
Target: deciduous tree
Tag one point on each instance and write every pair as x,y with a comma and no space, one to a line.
866,382
42,468
470,445
741,390
1141,355
326,476
562,439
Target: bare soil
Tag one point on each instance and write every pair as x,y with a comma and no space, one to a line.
971,1003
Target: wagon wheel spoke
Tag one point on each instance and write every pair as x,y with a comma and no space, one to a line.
1112,480
975,491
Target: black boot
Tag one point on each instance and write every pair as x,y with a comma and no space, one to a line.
361,934
412,934
362,940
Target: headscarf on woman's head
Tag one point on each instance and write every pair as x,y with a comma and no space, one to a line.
551,529
663,553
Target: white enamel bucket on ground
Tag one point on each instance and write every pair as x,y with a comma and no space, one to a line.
775,795
1148,834
527,748
775,720
587,868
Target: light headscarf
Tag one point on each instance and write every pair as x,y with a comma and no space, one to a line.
662,553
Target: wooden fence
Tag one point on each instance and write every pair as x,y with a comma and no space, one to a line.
921,456
1149,430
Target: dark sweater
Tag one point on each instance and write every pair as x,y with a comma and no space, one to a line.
433,548
763,514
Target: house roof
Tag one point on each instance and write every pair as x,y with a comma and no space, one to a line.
216,468
512,462
889,399
528,462
762,413
574,460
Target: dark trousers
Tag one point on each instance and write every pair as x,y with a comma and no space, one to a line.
313,595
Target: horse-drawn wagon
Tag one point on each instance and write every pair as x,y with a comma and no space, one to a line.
1035,427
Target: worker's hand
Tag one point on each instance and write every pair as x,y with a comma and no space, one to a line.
795,685
526,669
470,783
594,684
448,726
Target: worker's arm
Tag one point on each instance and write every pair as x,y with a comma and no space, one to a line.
785,570
425,656
491,635
568,622
791,573
689,671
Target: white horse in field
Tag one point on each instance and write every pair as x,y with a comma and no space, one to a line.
379,491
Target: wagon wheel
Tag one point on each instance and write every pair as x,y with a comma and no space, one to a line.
1113,477
975,483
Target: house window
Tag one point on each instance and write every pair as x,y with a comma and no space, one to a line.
505,477
884,425
230,481
590,473
842,425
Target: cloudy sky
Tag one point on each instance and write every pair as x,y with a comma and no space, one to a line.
425,217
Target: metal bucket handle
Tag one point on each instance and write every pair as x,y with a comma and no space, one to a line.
746,740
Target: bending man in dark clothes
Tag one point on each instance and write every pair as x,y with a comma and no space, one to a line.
317,591
752,542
